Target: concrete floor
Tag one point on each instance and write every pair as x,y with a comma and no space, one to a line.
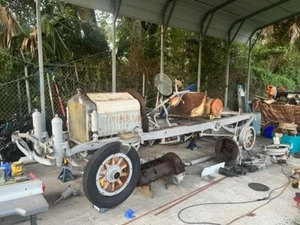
78,210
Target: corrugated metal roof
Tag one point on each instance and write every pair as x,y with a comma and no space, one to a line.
188,14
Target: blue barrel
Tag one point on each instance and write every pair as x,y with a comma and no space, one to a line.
257,123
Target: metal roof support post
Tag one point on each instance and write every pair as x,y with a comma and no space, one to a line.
230,40
227,73
162,48
202,34
114,58
249,69
250,47
116,5
41,63
199,63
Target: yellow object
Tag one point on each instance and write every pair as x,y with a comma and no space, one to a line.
65,161
16,168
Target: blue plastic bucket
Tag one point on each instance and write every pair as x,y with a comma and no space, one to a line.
268,131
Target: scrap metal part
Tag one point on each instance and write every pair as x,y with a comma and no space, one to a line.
168,164
226,150
278,153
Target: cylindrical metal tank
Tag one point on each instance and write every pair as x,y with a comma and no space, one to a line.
37,124
94,121
57,132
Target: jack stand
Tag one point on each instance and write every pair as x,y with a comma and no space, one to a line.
65,175
192,145
100,210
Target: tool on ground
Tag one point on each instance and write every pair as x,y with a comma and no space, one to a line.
239,170
99,210
50,95
7,169
129,214
226,172
17,168
66,194
296,184
257,163
59,98
297,198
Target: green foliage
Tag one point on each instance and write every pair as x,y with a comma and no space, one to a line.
275,65
6,65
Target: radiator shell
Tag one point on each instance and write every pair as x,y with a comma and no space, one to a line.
117,113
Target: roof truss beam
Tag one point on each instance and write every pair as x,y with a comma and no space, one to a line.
116,9
277,21
166,19
243,19
211,14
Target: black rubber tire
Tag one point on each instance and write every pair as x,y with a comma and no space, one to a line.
89,177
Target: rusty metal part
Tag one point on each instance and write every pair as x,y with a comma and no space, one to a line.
139,97
226,149
188,103
168,164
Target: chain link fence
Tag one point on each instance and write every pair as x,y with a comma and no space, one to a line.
21,96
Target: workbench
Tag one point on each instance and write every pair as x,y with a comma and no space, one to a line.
24,199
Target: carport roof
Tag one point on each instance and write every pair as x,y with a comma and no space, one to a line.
239,18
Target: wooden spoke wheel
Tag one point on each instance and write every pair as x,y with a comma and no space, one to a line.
111,175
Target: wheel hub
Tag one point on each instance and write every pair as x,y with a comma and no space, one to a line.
247,137
113,173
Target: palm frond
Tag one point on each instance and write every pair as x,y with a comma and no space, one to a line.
10,27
